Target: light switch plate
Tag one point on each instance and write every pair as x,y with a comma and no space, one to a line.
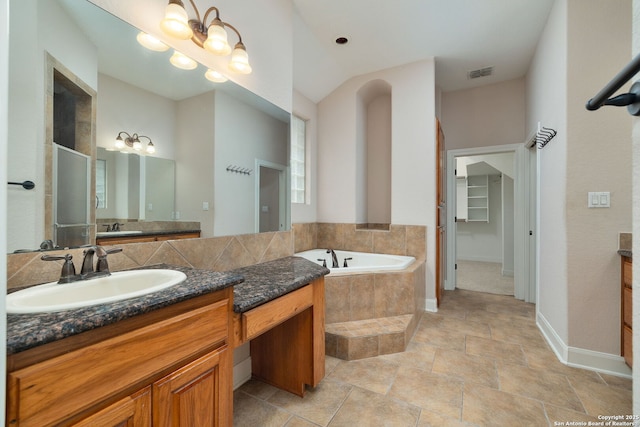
599,199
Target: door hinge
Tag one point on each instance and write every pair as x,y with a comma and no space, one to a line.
455,172
530,232
455,219
456,267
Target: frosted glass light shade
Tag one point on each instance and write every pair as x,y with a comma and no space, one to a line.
151,42
240,60
182,61
151,148
119,144
137,145
215,76
176,22
216,42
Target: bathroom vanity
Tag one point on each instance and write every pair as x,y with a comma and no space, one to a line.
626,333
167,358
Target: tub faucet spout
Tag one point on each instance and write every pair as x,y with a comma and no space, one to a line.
334,258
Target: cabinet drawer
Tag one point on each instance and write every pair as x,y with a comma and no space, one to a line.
627,273
627,312
627,346
76,381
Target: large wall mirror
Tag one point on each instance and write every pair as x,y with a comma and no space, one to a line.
216,139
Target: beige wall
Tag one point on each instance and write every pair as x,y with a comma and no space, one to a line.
584,44
484,116
599,41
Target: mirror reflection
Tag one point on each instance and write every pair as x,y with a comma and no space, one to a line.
202,132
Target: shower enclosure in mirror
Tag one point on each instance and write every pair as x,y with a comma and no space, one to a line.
199,126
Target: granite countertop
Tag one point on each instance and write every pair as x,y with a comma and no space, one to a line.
133,233
270,280
25,331
625,252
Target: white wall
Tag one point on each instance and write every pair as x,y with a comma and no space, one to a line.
547,103
584,44
61,38
508,224
308,111
243,135
413,151
123,107
267,32
194,151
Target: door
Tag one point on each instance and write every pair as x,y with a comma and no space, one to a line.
71,197
441,212
194,395
271,197
132,411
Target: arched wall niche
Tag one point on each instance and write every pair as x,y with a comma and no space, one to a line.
373,155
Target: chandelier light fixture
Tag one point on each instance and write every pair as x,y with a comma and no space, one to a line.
211,36
133,142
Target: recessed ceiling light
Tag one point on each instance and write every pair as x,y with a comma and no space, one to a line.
342,40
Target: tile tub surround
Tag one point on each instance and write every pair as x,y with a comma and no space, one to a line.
408,240
369,314
216,254
25,331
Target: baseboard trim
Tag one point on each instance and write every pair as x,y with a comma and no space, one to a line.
575,357
241,373
431,305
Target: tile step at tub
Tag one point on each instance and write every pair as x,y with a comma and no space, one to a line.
358,339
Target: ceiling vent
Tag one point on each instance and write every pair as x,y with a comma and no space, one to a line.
481,72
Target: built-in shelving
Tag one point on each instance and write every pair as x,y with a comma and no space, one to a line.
478,198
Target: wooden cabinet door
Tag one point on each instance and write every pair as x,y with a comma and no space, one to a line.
198,394
132,411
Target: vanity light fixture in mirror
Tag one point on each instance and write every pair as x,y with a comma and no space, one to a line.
151,42
211,37
133,142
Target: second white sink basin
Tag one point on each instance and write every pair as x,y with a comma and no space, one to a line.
119,286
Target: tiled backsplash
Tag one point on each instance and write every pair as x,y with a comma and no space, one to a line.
216,253
230,252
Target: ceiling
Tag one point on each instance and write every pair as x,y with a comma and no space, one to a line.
462,35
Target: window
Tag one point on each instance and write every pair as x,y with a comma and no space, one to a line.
101,184
298,160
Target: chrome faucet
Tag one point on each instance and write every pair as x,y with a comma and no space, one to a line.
334,258
116,226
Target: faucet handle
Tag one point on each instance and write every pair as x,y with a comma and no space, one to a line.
102,265
345,261
68,268
108,227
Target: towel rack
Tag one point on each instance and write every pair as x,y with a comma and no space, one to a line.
630,99
27,185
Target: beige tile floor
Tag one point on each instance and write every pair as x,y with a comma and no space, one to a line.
479,361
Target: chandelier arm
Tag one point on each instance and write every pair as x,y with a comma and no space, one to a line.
206,15
226,24
193,4
145,136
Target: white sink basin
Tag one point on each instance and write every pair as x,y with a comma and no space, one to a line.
119,286
116,233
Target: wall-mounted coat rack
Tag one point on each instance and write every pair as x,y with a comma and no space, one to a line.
27,185
238,169
544,135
